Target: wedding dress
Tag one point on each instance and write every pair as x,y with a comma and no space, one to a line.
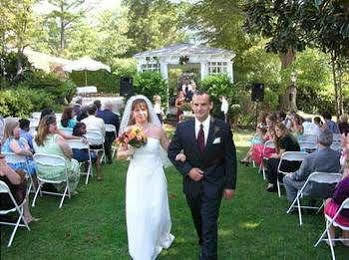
147,211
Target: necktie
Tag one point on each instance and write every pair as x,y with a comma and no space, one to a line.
201,139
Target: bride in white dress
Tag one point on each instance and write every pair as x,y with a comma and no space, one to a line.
147,210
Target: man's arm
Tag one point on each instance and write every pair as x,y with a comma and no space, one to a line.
175,148
303,172
230,161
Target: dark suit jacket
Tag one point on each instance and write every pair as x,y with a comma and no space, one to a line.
110,118
218,161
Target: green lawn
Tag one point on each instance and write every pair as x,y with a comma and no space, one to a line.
92,225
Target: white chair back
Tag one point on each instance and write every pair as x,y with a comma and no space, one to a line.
325,177
291,156
110,128
19,208
308,145
54,165
336,143
14,158
308,138
49,160
77,144
269,144
94,138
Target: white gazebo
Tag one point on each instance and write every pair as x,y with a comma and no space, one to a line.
209,60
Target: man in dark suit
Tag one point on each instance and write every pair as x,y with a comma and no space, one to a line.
209,170
109,118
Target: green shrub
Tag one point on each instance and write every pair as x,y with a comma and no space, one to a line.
149,84
15,103
124,67
104,81
61,90
220,85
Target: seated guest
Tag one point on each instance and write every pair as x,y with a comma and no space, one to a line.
17,184
47,141
333,204
14,143
94,123
258,139
284,142
297,126
77,107
24,124
49,111
81,155
323,160
83,114
67,119
98,104
258,151
330,124
343,124
109,118
319,125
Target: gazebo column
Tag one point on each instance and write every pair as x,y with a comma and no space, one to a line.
230,71
139,66
164,74
203,70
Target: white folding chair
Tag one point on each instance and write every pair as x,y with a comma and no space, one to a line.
15,158
79,144
315,177
267,144
291,157
56,164
336,143
17,208
332,221
308,143
96,138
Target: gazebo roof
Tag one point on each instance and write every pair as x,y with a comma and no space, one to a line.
186,49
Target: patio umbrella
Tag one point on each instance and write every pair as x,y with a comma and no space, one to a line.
85,64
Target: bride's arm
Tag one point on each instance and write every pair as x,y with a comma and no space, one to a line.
164,139
165,143
123,153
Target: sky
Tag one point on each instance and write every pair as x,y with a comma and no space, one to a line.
97,5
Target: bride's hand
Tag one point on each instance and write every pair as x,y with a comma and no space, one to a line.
181,157
125,152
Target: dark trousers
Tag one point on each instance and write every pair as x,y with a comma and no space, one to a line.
109,139
205,212
272,173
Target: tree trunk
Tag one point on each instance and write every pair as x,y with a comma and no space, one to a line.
333,64
2,61
62,28
340,74
289,98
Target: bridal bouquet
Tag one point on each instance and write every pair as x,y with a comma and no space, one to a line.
134,136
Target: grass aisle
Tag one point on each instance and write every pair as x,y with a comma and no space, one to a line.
92,225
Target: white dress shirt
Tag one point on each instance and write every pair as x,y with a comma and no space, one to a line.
206,127
94,123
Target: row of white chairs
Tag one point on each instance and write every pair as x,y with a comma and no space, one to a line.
309,144
52,161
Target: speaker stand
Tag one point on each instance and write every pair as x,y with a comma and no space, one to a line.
256,114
